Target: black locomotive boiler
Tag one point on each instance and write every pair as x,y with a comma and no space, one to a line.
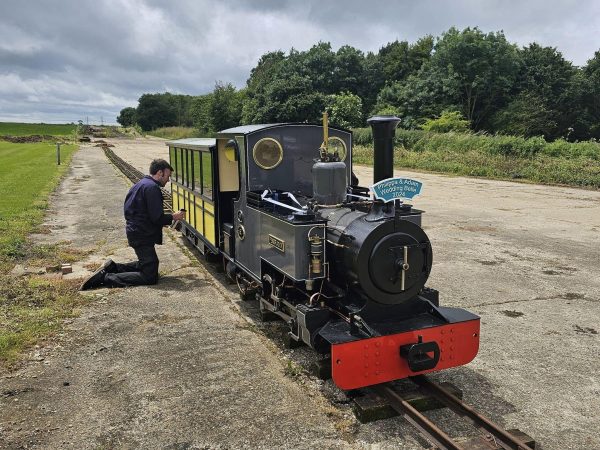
280,204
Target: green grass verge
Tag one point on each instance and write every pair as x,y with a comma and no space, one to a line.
26,129
31,308
497,157
175,132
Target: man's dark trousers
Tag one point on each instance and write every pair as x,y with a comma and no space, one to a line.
143,271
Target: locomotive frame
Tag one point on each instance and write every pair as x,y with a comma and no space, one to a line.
302,237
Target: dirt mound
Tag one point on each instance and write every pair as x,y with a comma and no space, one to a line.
27,139
104,131
102,143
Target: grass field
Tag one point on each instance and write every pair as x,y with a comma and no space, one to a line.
30,307
26,129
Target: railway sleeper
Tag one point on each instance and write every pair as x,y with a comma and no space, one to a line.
487,441
368,406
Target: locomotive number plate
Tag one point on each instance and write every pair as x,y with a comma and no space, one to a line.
277,243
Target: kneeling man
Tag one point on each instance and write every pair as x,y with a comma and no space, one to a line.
145,220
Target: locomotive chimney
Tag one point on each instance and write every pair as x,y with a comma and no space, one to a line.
384,129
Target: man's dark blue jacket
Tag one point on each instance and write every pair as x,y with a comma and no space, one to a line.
144,213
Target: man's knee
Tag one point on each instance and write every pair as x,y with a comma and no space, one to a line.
150,273
152,279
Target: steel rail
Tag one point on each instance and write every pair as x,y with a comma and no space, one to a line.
500,438
503,438
134,175
428,429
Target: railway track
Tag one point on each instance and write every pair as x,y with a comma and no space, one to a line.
134,175
493,436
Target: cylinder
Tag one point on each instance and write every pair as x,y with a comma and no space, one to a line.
329,182
384,129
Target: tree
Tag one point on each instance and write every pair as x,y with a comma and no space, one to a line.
225,107
469,71
318,64
544,71
590,101
155,111
348,71
394,59
544,80
201,113
267,70
127,117
419,97
484,66
290,88
293,99
400,59
164,110
373,82
345,110
527,115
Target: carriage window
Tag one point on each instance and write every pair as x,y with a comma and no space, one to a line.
183,160
197,171
267,153
173,161
207,174
336,144
178,168
189,164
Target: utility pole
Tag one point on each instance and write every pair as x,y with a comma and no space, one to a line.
102,121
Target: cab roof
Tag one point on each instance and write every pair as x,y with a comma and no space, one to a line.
247,129
193,143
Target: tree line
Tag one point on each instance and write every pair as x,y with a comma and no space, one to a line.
475,80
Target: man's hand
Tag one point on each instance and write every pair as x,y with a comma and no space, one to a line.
179,215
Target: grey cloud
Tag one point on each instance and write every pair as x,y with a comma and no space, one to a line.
71,59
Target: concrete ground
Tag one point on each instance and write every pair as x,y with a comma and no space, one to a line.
177,366
525,257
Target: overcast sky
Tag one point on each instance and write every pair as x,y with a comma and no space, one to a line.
65,60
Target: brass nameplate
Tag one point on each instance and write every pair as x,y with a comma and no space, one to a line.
277,243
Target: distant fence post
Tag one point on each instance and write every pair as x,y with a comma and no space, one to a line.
58,153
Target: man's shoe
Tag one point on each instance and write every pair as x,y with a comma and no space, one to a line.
95,280
109,266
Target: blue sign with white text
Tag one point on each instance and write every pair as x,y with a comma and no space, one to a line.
396,188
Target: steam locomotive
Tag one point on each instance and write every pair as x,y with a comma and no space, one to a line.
281,206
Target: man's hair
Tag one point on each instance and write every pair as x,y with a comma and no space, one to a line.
159,164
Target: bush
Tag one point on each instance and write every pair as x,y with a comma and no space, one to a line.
448,121
345,109
175,132
362,136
